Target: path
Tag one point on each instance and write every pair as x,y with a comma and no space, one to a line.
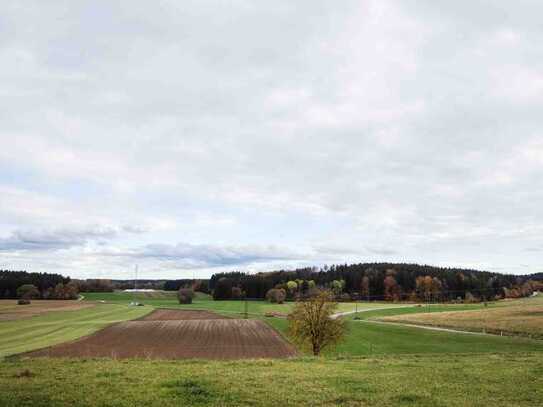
431,328
342,314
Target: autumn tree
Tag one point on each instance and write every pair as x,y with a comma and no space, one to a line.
28,291
185,295
311,325
392,289
292,286
365,287
276,295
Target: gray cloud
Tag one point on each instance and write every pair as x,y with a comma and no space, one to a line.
188,256
57,239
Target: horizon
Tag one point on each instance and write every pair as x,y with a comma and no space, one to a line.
206,137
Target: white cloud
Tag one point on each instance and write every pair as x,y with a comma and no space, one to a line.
405,130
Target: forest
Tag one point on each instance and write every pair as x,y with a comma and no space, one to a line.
377,281
41,285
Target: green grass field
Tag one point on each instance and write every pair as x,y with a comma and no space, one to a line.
421,381
168,299
366,338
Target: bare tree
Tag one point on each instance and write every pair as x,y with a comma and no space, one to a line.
311,324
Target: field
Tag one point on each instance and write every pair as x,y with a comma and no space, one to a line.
178,335
9,310
377,364
423,381
365,338
168,299
522,317
60,326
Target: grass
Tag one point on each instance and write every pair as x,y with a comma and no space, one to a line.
365,338
523,318
168,299
60,326
420,381
376,365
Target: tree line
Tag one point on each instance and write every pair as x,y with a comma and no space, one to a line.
21,284
376,281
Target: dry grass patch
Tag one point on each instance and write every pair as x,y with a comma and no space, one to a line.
525,319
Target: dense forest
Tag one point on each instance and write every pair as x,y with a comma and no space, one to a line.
377,281
16,284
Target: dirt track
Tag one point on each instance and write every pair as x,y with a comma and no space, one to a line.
185,338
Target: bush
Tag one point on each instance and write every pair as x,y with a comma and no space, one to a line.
23,301
27,291
237,293
276,295
185,295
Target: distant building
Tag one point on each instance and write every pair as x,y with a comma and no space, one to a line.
139,290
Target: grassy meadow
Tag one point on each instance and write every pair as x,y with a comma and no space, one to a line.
376,365
422,381
168,299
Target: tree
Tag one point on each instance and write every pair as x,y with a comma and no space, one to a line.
276,295
237,293
392,289
292,286
28,291
71,291
223,289
365,287
311,325
337,286
185,295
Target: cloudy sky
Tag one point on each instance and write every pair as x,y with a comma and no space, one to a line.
195,136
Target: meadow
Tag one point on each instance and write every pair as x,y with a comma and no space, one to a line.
519,318
408,380
235,308
377,364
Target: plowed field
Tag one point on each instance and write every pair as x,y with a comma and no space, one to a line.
171,334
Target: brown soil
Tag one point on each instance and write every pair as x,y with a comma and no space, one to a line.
178,339
9,310
179,315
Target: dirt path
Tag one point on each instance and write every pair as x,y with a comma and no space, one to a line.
341,314
431,328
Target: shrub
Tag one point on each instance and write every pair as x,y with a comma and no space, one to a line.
276,295
237,293
27,291
185,295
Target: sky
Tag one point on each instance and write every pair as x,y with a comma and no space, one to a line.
192,137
